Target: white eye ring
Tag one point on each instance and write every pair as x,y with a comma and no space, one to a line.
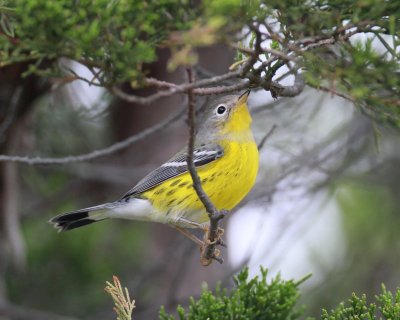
221,110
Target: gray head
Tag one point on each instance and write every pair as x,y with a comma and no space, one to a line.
224,115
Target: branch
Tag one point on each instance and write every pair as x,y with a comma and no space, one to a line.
96,153
209,251
255,55
221,89
266,137
339,35
276,53
253,78
203,73
95,81
174,88
288,91
123,305
387,46
333,92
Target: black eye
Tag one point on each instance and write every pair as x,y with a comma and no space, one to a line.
221,110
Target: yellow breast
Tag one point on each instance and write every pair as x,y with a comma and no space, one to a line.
226,181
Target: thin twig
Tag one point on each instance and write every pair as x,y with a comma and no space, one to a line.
75,76
192,169
173,89
221,89
276,53
202,73
387,46
253,57
96,153
266,137
209,251
333,92
247,71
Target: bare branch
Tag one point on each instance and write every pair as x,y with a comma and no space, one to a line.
221,89
266,137
173,88
96,153
387,46
254,56
333,92
192,169
75,76
209,251
288,91
143,100
202,73
160,84
276,53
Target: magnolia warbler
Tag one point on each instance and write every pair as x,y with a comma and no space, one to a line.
226,160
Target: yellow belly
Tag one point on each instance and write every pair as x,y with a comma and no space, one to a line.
226,181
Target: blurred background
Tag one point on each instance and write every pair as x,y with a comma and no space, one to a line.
326,200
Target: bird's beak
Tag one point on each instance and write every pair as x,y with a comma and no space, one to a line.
243,97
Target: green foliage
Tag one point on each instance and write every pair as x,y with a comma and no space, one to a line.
369,78
236,13
250,299
365,75
121,37
277,300
386,306
117,36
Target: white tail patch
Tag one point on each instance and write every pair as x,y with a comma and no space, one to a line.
135,209
97,215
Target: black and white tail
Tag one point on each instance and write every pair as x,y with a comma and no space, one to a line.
130,208
79,218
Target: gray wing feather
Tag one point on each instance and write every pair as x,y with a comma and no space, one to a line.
175,166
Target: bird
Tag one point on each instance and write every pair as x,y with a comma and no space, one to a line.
226,160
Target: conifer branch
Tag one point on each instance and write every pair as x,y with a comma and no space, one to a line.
123,305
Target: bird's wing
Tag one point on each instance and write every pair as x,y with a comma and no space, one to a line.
175,166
